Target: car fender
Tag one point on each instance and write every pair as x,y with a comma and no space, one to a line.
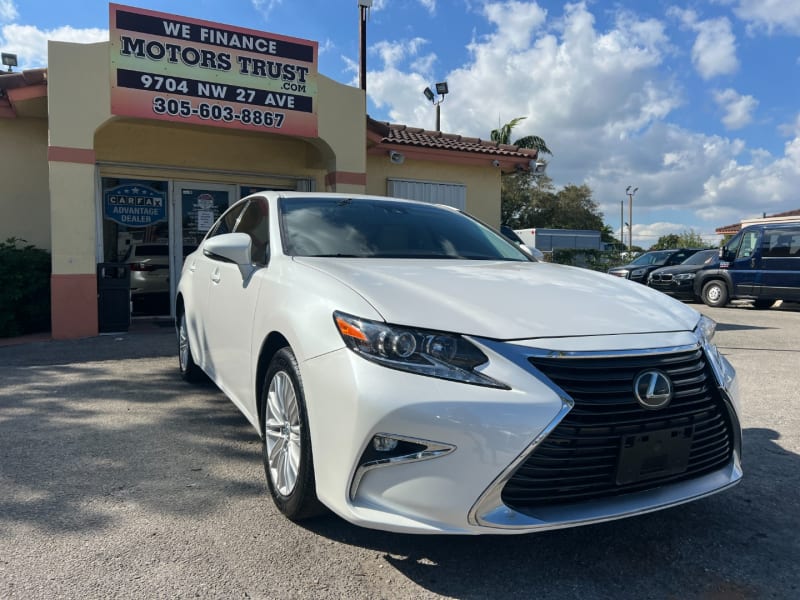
705,276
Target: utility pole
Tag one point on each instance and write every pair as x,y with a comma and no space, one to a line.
630,192
363,8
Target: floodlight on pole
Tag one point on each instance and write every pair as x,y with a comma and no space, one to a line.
9,60
441,92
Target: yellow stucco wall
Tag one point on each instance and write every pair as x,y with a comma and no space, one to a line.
207,151
25,198
78,91
342,124
72,209
483,183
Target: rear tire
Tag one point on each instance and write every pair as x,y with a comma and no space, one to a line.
189,370
715,293
762,303
288,460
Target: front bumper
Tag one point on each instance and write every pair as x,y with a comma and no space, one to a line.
491,433
683,289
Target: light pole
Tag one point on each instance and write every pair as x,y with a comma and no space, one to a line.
441,91
621,227
630,192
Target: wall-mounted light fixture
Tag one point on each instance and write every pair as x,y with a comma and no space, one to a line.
441,91
396,158
9,60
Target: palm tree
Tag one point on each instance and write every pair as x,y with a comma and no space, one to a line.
533,142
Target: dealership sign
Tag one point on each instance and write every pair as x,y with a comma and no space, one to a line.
134,205
180,69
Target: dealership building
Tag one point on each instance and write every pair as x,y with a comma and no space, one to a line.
143,140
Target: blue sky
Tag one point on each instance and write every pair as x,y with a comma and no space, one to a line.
695,103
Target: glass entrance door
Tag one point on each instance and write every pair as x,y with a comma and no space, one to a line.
196,207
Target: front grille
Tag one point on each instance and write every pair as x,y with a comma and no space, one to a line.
582,457
661,277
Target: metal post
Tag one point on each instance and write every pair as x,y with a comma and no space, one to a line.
630,224
438,117
621,226
363,47
630,194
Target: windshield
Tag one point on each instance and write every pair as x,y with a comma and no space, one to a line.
705,257
652,258
374,228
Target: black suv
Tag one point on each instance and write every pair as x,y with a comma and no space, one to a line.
678,281
640,267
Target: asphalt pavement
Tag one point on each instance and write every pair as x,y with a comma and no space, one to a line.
117,479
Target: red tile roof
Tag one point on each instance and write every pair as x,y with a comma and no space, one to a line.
395,134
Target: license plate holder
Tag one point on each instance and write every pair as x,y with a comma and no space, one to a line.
654,454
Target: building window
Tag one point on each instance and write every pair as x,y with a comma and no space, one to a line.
433,192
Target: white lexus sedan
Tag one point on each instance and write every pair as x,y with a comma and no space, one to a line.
410,369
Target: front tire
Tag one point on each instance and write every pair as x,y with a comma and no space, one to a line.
189,370
715,293
288,460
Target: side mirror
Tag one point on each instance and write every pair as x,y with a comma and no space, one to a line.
230,247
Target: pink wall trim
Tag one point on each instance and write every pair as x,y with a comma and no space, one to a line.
71,155
74,306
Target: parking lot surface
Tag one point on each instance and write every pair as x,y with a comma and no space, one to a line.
117,479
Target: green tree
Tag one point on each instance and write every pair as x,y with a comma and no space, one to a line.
686,239
502,135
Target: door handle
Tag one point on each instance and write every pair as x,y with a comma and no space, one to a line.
193,266
215,277
753,263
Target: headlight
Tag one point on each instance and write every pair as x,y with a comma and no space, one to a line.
705,330
432,353
684,276
637,272
620,273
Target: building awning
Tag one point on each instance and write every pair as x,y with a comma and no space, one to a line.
423,144
23,94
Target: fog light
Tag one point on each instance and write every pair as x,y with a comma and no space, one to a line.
382,443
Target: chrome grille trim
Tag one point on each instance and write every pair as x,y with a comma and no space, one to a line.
490,510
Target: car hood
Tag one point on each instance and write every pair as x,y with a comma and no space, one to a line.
630,267
677,269
506,300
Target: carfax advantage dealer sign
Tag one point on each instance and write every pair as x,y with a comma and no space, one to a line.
186,70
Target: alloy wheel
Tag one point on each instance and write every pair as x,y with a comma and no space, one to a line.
183,344
282,433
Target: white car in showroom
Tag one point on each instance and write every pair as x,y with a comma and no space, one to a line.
411,369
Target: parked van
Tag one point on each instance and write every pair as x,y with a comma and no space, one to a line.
760,263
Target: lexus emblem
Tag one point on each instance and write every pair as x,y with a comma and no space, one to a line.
653,389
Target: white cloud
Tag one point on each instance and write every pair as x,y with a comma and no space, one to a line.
738,108
265,7
772,16
429,5
602,99
30,43
8,12
714,49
